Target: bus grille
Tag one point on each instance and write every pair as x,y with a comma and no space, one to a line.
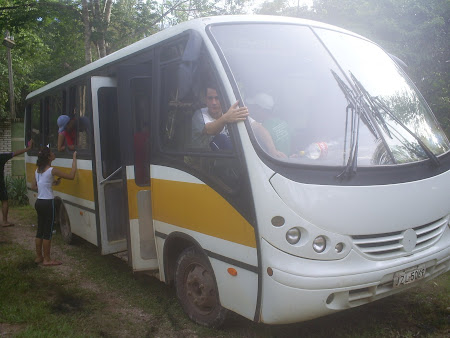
385,287
389,245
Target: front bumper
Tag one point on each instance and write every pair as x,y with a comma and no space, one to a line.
302,289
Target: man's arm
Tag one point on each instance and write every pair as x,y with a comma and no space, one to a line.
234,114
21,151
264,137
61,140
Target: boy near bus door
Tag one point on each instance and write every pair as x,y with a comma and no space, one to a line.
67,130
67,133
5,157
45,204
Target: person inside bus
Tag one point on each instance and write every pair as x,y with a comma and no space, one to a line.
209,125
67,130
272,133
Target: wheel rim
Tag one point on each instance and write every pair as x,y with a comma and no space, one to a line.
200,289
64,224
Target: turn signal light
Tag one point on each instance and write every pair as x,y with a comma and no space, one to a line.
232,271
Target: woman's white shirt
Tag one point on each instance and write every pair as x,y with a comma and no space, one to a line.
44,183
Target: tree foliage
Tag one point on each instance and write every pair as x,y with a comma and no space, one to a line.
416,31
46,34
55,37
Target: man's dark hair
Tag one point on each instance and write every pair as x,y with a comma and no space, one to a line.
211,86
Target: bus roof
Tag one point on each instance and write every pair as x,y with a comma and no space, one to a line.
195,24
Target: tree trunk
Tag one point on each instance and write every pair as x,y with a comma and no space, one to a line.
101,19
87,32
106,20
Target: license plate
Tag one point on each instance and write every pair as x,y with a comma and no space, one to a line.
409,276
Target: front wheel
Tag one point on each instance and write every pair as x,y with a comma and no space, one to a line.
197,289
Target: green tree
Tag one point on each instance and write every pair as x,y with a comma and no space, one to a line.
131,20
417,31
46,35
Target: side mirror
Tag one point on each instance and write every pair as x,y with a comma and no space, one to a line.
398,61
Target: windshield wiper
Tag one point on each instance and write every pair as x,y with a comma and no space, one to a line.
375,102
357,112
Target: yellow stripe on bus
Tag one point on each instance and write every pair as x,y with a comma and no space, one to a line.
199,208
81,186
132,192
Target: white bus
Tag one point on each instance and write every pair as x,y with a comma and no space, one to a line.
354,205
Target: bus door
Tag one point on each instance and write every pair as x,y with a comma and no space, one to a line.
135,105
112,204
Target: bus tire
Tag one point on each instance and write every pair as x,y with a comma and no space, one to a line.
64,225
196,289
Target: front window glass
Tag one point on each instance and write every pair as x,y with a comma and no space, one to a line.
384,81
301,113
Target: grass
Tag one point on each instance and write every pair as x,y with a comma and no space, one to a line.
31,298
43,302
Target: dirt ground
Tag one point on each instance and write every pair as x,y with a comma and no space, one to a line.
117,306
403,315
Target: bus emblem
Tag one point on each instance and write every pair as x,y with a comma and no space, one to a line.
409,240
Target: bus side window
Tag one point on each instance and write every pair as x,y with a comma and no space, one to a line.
109,126
140,111
177,111
55,109
79,110
35,124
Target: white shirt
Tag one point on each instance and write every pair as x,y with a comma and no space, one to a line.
44,183
208,119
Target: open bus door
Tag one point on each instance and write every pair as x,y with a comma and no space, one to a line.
112,206
134,105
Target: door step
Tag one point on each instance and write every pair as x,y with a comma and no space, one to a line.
123,255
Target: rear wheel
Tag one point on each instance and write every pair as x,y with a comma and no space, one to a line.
197,289
64,225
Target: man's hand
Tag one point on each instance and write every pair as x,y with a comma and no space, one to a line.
235,113
278,154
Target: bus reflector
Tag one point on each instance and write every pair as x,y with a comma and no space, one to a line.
269,271
232,271
81,213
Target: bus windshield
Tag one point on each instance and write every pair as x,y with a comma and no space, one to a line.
327,106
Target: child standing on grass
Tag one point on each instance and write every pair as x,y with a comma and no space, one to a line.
45,205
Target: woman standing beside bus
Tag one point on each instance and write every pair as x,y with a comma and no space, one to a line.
45,206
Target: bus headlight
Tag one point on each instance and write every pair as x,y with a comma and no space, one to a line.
339,247
293,235
319,244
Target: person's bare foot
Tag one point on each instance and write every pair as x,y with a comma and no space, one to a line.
51,263
39,260
7,224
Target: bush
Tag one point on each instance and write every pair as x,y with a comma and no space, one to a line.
17,190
